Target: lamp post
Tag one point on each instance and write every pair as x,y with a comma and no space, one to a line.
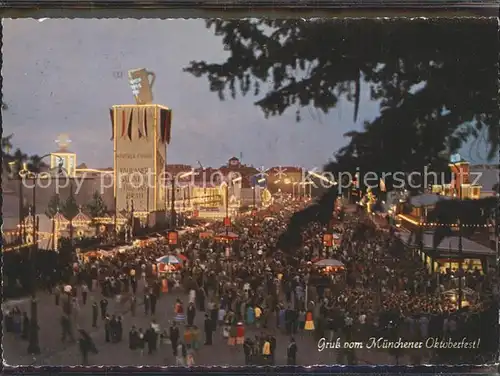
172,205
253,197
16,169
227,206
454,159
460,247
34,345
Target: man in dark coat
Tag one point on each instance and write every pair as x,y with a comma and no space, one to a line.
209,327
66,328
200,297
133,338
147,302
174,337
151,338
191,313
152,300
291,353
95,314
107,329
247,349
26,326
104,307
86,345
113,326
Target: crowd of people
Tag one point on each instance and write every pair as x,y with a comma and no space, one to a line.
247,291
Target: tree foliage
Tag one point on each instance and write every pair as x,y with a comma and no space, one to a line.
70,207
54,206
424,73
96,207
18,160
434,80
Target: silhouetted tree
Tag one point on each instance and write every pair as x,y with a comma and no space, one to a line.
53,206
435,83
70,208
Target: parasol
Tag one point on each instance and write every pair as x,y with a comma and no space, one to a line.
168,260
330,262
228,236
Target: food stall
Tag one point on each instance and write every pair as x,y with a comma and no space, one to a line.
168,263
208,234
468,296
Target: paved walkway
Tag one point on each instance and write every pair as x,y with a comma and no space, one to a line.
54,352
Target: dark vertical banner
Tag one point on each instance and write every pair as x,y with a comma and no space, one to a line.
165,125
124,122
145,124
130,123
112,116
139,124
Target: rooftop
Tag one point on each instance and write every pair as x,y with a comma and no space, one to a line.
426,199
449,244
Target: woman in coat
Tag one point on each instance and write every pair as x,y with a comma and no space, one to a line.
309,324
250,315
240,334
179,312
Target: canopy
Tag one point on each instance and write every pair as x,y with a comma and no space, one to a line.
330,262
454,292
206,234
168,260
228,235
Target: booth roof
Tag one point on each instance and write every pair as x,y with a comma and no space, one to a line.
449,243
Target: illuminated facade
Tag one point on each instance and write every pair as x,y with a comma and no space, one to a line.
140,136
469,182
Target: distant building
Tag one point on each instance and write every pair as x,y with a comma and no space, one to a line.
287,179
470,182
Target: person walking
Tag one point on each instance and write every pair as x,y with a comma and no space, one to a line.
95,314
133,305
104,308
86,345
191,313
181,351
85,292
291,353
133,338
66,328
146,304
209,328
174,337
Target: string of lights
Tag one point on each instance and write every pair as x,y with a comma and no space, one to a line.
437,224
